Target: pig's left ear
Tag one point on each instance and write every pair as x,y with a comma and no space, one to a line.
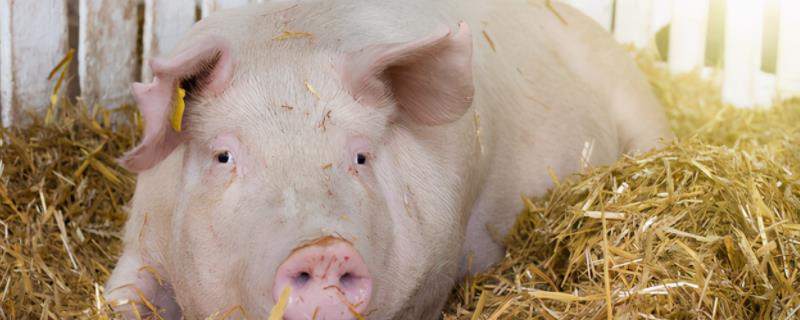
430,79
202,70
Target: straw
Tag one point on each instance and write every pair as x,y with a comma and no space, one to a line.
62,210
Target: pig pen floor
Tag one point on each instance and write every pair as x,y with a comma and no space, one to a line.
708,227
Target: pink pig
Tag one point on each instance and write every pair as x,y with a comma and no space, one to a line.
358,151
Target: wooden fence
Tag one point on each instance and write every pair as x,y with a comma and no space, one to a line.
36,34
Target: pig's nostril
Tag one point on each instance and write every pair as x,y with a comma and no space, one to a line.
347,279
301,279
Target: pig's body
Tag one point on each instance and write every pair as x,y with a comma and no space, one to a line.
543,91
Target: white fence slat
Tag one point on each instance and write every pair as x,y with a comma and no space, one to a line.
209,6
687,37
662,15
165,22
34,39
107,50
744,23
634,22
788,68
5,62
599,10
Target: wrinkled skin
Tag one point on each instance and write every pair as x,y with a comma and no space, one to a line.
446,161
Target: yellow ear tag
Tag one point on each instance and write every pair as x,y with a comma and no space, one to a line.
180,106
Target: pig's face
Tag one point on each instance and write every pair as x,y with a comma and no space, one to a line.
312,176
280,171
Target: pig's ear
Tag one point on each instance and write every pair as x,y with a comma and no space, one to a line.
203,70
430,79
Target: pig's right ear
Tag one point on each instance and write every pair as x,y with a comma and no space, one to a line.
203,70
430,78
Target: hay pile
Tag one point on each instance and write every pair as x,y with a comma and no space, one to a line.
709,227
61,211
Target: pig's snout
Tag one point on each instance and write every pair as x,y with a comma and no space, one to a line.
329,280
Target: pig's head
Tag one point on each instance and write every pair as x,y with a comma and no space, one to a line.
313,169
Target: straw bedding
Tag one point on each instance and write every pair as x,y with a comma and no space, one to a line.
708,227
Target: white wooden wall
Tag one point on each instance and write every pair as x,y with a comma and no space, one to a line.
34,35
744,84
209,6
33,38
107,50
634,22
687,35
164,24
788,68
744,25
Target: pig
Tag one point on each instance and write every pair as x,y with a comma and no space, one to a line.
359,157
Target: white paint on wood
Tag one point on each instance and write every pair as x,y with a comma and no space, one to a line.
209,6
599,10
165,22
766,86
662,15
107,50
744,24
788,68
5,62
634,22
34,39
687,37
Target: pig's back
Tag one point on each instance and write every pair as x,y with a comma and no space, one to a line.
545,110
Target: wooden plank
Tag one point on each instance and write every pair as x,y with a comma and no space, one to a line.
633,22
107,50
165,22
209,6
599,10
34,39
687,37
788,68
5,53
744,23
662,15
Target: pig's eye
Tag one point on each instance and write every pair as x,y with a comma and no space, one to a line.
223,157
361,159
